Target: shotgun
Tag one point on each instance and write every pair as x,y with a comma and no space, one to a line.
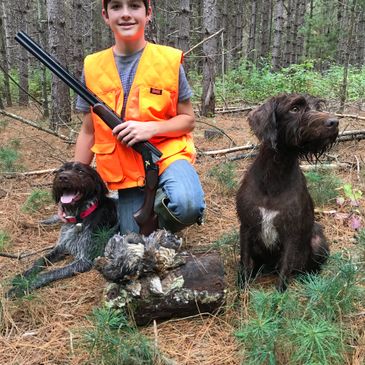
145,217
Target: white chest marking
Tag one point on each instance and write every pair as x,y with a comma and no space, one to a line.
269,234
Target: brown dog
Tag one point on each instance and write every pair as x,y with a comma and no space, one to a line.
91,219
277,231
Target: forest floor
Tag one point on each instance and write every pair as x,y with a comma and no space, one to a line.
46,328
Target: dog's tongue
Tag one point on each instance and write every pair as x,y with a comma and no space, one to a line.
67,198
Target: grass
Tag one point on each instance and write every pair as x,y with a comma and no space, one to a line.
112,339
37,200
225,175
323,186
253,84
9,156
4,239
100,238
227,240
305,325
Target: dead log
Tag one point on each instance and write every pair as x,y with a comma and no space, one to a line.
197,286
153,280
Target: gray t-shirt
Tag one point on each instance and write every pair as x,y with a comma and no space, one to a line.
127,67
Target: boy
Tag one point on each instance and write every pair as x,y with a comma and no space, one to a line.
146,85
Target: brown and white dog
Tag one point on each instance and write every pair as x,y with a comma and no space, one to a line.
91,219
277,231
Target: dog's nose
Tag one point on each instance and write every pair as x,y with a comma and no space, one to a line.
331,122
63,178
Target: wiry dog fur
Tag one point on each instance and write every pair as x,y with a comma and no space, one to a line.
77,188
274,207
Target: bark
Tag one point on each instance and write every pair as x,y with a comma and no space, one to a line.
4,57
43,40
96,30
152,29
251,49
309,29
239,22
288,49
360,41
342,31
61,106
210,49
24,60
278,31
343,92
198,286
184,27
300,36
77,41
266,12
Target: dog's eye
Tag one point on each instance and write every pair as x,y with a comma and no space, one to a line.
294,109
320,107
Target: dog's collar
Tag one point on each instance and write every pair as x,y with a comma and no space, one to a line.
83,214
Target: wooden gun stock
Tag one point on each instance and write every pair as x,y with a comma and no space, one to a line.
146,217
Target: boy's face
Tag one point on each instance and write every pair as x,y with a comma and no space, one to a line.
127,19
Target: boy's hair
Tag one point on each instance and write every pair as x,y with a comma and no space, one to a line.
147,4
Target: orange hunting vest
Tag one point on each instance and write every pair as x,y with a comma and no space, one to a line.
153,97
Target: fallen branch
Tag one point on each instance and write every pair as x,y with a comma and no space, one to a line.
342,137
34,125
351,136
233,110
325,166
24,254
204,40
354,116
230,150
27,173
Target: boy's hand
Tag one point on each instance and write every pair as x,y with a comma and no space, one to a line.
131,132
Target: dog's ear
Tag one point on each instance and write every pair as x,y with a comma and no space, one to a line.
101,187
262,121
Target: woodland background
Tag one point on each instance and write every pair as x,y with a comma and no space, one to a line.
237,54
259,34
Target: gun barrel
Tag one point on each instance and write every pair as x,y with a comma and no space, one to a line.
108,115
56,68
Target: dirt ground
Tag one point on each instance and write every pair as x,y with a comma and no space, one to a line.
45,330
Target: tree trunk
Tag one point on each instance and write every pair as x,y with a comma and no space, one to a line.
309,29
24,60
300,37
61,107
77,41
196,287
42,21
288,49
251,49
348,48
151,29
266,12
210,50
278,31
4,57
342,30
184,28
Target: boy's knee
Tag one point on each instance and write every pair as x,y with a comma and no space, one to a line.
178,214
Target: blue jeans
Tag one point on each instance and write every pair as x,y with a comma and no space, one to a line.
179,190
